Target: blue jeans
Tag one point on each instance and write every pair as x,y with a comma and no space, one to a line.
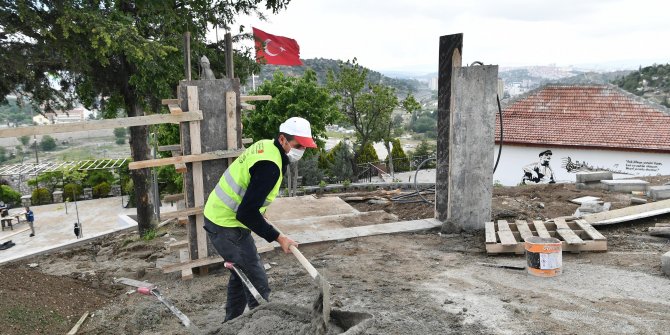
236,245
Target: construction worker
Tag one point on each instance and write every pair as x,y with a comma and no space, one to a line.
236,206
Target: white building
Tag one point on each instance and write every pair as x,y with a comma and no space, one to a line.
77,114
553,132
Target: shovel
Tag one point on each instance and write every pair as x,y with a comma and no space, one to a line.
322,304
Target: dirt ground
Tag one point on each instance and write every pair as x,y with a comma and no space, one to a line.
425,283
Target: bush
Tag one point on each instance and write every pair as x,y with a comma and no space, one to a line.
96,177
8,195
48,143
120,141
70,191
41,196
101,190
309,170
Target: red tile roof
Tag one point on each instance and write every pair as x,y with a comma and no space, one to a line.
594,116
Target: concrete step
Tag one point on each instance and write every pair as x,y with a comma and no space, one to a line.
591,176
626,185
659,192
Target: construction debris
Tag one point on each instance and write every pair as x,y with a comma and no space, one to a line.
589,198
637,201
629,213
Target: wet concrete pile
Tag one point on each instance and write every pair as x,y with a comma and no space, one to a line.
277,319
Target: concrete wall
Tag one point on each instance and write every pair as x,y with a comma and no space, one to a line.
565,162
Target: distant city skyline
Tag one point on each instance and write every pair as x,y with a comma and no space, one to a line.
403,35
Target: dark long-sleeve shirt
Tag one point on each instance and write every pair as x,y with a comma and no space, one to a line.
264,176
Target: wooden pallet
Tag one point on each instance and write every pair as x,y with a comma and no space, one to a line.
576,236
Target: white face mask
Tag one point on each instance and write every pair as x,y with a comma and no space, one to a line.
294,154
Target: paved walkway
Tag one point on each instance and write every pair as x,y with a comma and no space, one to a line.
54,228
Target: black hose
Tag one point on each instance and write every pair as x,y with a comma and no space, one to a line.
501,134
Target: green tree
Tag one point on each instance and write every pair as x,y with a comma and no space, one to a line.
342,159
367,106
120,133
126,51
47,143
25,140
8,195
367,155
400,161
291,96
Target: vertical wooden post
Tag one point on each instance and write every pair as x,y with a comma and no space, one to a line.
187,55
198,188
451,49
231,121
229,56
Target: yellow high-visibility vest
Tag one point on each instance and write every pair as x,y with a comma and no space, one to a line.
222,203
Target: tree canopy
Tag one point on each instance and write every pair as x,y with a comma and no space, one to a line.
291,96
120,56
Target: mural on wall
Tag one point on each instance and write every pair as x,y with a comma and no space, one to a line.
539,172
631,165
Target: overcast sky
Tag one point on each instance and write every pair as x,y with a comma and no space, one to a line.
403,35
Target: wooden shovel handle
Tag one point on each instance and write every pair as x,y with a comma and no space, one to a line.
304,262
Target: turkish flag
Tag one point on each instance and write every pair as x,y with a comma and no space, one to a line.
277,50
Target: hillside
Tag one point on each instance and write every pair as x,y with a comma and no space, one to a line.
651,82
322,65
592,78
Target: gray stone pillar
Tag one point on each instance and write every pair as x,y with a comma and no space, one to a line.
58,196
88,193
116,190
26,200
471,147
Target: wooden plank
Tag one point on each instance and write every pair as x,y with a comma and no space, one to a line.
522,227
566,233
74,329
172,147
248,107
196,263
207,156
173,197
662,225
592,232
178,245
175,109
100,124
245,98
520,249
184,257
505,234
316,236
541,229
628,213
133,282
490,232
170,102
198,186
182,213
231,123
247,140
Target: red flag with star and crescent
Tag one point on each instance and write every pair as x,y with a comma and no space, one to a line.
277,50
